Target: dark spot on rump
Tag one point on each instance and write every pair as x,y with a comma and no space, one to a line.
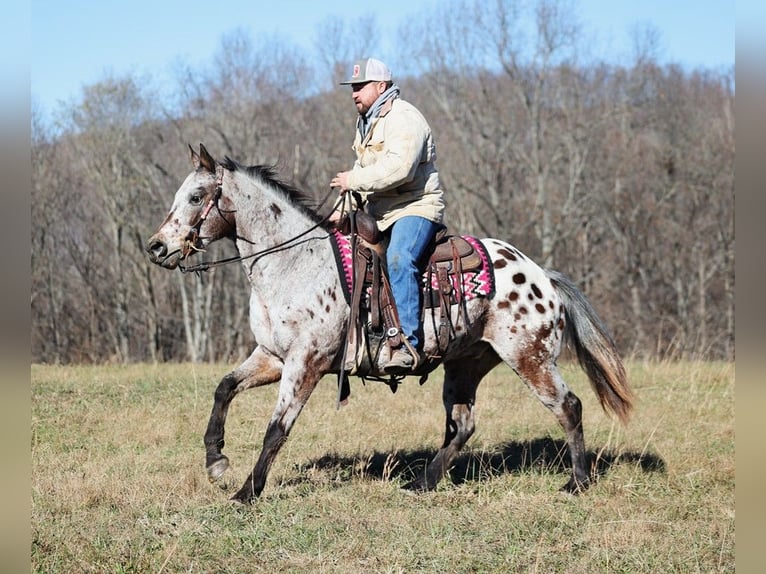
503,305
560,324
530,296
540,308
536,291
500,263
517,317
507,254
311,313
519,278
513,329
523,310
275,210
550,304
327,309
513,295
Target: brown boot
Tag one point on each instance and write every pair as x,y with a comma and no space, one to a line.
400,363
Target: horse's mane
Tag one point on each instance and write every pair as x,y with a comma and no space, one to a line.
268,174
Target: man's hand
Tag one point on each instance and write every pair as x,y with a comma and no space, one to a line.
340,181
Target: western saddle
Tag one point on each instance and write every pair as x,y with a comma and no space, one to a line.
373,309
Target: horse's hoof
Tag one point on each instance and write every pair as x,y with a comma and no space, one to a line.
215,470
244,497
417,486
575,487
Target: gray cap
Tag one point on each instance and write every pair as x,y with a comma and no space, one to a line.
369,70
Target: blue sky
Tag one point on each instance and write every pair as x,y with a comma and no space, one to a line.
79,42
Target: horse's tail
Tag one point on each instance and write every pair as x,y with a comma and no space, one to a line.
595,348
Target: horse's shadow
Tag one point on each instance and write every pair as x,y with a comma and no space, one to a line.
545,454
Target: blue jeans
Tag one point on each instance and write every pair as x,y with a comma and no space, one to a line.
410,238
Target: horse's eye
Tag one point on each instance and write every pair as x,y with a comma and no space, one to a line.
196,199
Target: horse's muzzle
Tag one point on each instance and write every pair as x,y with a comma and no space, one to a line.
156,249
158,253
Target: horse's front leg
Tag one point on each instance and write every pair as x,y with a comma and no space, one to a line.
296,387
260,368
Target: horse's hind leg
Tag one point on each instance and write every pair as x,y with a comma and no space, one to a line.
260,368
461,379
543,378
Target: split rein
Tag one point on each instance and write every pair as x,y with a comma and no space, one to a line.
288,244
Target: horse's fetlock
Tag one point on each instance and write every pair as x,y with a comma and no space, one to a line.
214,444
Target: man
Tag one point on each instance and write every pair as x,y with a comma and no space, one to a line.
395,175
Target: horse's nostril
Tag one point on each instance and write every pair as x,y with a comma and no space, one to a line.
156,248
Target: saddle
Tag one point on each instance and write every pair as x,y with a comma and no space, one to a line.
373,309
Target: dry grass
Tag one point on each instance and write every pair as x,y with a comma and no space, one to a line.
119,485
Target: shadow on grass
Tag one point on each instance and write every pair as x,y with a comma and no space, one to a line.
544,454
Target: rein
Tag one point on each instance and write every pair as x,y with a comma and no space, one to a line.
288,244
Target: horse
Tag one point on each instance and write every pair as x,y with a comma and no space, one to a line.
300,332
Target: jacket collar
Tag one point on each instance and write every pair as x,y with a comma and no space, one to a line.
387,107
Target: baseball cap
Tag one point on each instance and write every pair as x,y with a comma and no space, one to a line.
369,70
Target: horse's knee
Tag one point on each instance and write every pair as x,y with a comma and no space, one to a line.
225,390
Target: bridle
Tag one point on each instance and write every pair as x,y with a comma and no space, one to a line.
194,232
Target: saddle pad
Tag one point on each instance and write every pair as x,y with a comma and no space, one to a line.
480,283
341,247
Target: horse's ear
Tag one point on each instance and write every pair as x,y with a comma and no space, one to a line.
206,160
194,157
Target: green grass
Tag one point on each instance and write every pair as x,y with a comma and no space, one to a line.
119,484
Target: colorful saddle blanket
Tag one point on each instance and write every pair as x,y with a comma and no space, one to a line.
469,284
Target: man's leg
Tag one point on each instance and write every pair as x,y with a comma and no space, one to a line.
410,238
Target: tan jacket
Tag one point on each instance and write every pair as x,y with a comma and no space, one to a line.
394,171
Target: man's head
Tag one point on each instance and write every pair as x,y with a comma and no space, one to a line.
369,79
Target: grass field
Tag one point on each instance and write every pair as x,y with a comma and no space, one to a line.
119,485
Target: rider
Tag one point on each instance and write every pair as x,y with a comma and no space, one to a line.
396,178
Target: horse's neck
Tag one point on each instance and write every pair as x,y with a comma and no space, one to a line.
267,219
264,215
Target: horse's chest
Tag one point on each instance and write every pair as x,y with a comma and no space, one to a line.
286,316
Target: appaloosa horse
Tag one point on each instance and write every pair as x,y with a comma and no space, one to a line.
301,330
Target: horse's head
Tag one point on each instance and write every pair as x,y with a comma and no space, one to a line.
195,219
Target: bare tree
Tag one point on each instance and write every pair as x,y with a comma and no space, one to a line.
109,152
519,109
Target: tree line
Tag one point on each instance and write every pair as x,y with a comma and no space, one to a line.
620,176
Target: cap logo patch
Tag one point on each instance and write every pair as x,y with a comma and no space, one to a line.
356,71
